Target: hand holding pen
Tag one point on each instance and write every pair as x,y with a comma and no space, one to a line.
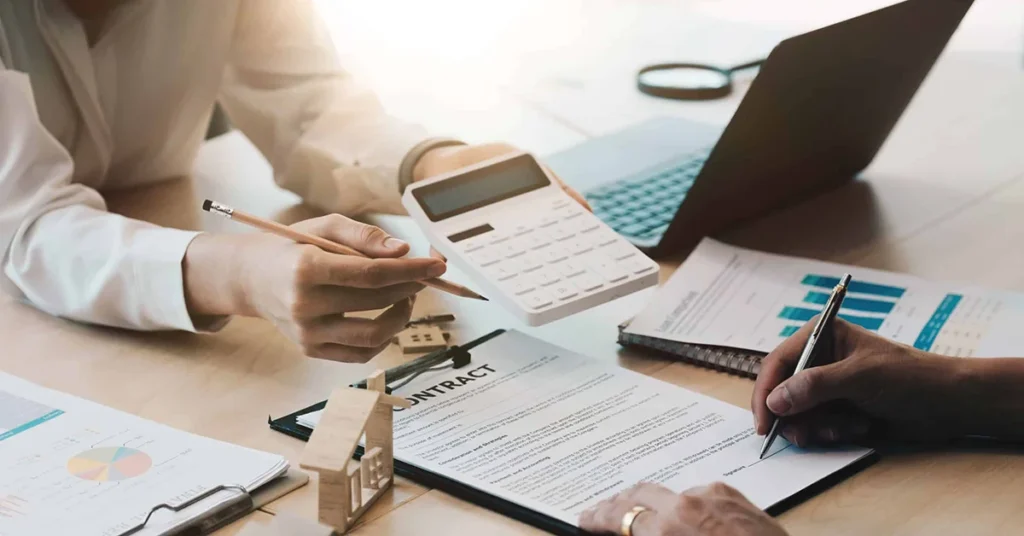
812,349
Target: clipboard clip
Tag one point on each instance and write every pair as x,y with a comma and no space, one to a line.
218,517
455,357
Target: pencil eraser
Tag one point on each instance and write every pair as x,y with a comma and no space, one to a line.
207,204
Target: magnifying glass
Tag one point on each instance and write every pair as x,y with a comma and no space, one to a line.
689,81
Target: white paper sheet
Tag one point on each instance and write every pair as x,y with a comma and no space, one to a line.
557,432
70,466
728,296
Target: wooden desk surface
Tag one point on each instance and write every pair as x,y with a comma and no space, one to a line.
944,200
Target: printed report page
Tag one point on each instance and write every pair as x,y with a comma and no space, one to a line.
557,432
729,296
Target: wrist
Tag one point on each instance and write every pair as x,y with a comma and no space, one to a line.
985,398
211,272
416,164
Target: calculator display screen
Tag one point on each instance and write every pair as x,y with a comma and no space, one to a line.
481,187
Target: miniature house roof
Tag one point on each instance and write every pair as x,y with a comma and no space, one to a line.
342,423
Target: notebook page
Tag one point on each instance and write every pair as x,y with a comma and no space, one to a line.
71,466
740,298
557,432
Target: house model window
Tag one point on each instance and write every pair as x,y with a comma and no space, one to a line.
348,488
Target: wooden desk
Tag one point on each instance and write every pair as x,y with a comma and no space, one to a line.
945,200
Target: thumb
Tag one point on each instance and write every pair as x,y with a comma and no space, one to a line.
809,389
370,240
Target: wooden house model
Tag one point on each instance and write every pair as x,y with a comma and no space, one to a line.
347,488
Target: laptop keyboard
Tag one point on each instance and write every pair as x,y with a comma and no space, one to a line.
642,207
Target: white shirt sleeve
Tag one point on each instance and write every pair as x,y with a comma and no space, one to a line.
328,139
60,247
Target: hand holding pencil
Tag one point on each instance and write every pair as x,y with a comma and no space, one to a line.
307,284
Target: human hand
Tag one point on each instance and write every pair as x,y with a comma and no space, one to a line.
446,159
863,384
306,292
715,510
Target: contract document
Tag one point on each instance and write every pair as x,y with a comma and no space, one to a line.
556,432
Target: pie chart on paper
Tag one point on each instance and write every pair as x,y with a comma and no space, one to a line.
109,464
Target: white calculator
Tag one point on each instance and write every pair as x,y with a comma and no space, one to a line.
525,243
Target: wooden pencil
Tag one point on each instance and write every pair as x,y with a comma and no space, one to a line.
285,231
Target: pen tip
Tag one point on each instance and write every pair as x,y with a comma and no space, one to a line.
207,204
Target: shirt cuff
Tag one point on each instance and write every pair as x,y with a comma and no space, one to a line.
161,283
405,177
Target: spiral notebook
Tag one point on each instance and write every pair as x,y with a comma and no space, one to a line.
727,307
730,360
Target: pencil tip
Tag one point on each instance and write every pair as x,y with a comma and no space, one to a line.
482,298
207,204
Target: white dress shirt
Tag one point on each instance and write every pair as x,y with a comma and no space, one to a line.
134,107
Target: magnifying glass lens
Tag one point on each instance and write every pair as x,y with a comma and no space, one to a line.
685,78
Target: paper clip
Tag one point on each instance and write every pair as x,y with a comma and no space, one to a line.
407,372
209,521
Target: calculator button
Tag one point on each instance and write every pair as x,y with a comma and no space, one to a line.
546,278
570,213
554,254
470,246
589,225
610,271
561,203
637,265
535,240
578,246
505,270
537,299
531,262
521,286
519,230
548,221
620,251
498,238
561,233
511,249
485,257
603,239
571,268
564,290
588,281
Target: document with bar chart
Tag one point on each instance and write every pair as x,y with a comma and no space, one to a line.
739,298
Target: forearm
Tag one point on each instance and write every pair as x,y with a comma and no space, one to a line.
988,398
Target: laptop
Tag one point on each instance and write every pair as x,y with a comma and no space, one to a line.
817,113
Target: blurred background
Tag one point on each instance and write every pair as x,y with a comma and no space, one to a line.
480,69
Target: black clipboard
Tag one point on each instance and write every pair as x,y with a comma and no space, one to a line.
288,425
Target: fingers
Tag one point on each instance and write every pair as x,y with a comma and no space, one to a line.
322,268
809,389
568,189
369,240
775,368
826,426
607,515
325,300
437,254
366,333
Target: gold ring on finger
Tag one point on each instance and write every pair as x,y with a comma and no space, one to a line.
626,529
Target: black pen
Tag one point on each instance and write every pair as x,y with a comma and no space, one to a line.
826,318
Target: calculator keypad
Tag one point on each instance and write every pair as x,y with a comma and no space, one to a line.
564,255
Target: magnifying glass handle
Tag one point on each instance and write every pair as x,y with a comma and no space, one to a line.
748,65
